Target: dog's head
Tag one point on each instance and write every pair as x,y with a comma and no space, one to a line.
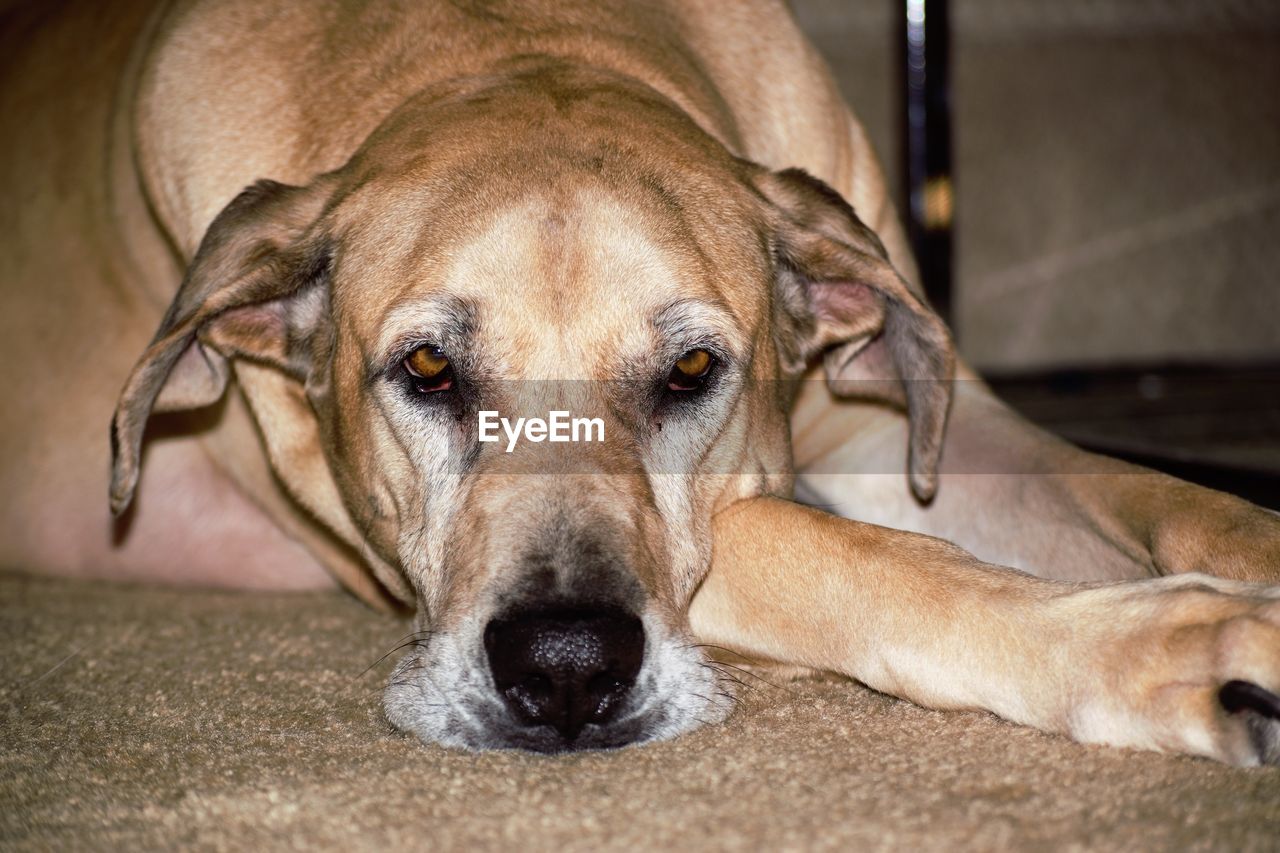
537,243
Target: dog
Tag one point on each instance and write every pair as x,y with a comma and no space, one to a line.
388,220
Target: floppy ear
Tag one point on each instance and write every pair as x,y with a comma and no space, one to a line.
255,289
839,297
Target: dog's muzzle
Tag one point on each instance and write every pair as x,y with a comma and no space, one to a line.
565,668
565,650
555,677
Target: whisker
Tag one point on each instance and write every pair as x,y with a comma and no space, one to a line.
418,641
721,673
718,648
757,677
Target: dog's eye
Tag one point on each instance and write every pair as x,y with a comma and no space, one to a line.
429,369
691,371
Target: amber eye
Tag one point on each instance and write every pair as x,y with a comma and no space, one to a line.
690,371
430,370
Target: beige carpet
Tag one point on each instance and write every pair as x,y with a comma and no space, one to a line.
142,719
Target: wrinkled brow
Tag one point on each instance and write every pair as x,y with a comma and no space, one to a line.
445,321
687,323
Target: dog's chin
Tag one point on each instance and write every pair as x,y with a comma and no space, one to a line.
442,693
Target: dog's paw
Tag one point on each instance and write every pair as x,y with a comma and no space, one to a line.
1188,664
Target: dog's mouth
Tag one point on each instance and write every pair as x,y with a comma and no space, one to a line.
558,679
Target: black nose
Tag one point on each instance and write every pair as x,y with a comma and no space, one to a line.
565,668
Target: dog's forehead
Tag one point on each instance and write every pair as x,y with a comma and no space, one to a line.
558,279
571,275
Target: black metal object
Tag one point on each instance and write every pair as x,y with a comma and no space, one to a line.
924,63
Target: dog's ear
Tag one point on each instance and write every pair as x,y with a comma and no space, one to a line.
256,289
840,298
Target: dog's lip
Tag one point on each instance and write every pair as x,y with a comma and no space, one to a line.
545,740
503,729
492,726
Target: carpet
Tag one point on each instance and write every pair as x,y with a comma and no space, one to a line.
140,718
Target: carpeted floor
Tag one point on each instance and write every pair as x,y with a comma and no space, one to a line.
144,718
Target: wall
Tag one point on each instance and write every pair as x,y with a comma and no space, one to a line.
1117,169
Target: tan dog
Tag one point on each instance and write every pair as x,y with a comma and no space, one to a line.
536,206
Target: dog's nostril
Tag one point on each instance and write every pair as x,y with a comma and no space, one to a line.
606,692
530,695
537,685
565,668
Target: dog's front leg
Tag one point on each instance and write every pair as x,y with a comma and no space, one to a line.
1187,664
